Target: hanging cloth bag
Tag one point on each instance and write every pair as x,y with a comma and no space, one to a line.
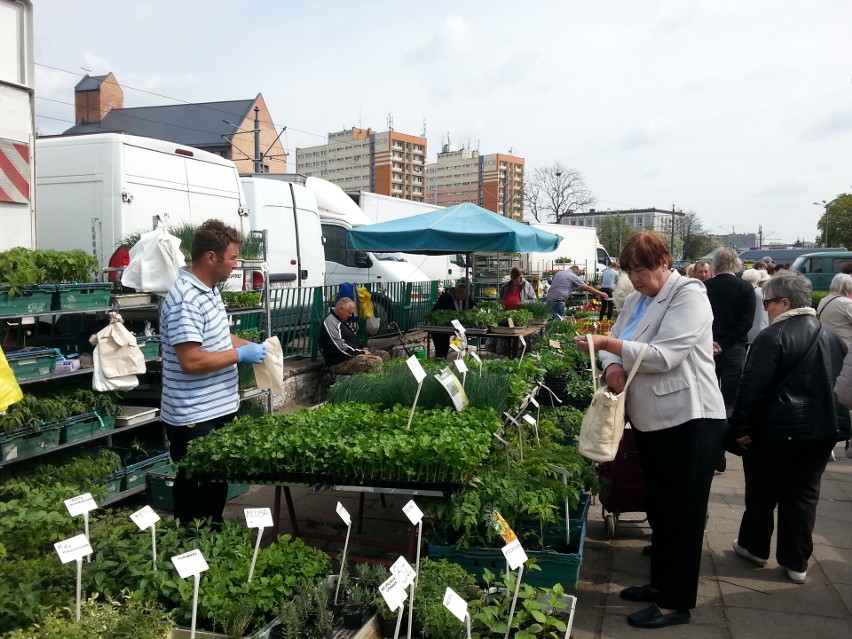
118,352
155,262
269,374
603,424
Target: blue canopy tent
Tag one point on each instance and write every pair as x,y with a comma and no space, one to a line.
463,228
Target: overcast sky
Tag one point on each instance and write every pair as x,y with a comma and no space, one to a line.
739,110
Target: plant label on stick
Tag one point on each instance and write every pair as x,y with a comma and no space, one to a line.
501,440
529,419
458,326
413,512
73,548
416,368
392,592
511,419
555,344
259,517
453,386
534,401
510,322
514,554
460,365
455,604
403,572
558,469
455,348
344,514
190,563
145,517
80,504
476,358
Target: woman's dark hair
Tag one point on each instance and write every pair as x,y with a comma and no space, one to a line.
216,236
645,249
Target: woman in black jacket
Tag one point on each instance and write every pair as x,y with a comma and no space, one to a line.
787,420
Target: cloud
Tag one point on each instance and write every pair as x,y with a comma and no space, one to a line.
787,187
651,132
837,124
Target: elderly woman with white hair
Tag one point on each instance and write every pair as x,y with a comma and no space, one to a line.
761,319
835,309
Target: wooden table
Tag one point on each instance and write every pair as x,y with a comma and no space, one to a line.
521,331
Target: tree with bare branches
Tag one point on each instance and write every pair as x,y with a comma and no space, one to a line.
555,191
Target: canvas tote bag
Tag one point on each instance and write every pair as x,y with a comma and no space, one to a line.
603,424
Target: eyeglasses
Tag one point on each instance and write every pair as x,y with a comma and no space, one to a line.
769,301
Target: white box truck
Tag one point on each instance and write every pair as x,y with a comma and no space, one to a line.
580,246
384,208
17,125
94,190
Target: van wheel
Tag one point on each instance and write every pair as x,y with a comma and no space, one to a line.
381,311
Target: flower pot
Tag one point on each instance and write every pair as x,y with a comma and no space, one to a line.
353,619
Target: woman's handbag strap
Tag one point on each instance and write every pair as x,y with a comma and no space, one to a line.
591,342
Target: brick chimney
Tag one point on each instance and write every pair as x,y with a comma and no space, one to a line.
95,96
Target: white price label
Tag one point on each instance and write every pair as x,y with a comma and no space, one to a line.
510,322
514,554
558,469
145,517
453,386
455,604
190,563
511,419
534,401
500,439
460,365
416,368
529,419
344,514
476,358
403,572
258,517
73,548
455,348
458,326
393,593
80,504
555,344
413,512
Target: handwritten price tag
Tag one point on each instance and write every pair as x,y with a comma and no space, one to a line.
145,517
416,368
80,504
413,512
73,548
258,517
343,514
190,563
393,593
514,554
458,326
460,365
455,604
403,572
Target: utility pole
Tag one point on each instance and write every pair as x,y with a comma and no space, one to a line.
671,248
505,189
258,160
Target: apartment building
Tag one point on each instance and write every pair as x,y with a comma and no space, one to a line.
653,219
388,163
494,181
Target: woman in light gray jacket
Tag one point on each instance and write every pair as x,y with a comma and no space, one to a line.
675,407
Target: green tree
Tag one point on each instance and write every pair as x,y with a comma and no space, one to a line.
613,232
835,225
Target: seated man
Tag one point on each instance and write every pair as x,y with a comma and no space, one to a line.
339,343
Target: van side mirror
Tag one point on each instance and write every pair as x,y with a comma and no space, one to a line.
361,260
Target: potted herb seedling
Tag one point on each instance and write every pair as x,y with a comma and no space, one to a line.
357,604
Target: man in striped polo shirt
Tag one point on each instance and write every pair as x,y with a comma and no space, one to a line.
199,363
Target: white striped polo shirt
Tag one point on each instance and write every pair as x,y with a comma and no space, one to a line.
193,312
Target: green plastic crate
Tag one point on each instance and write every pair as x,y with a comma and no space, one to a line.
32,363
134,474
556,567
150,346
71,297
112,485
160,483
82,427
33,299
28,443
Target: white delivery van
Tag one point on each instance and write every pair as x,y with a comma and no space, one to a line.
384,208
94,190
288,211
338,214
579,246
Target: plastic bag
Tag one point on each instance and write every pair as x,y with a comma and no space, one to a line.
10,391
101,383
118,351
366,301
155,262
269,374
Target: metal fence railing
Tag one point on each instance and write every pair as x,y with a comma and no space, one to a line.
296,313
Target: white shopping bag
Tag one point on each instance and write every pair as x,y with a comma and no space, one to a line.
118,351
101,383
155,262
270,372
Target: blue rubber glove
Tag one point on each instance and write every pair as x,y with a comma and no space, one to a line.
251,353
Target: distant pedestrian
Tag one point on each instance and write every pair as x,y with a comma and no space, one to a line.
702,271
564,283
609,280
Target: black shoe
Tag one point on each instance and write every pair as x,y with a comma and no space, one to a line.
651,617
722,464
642,594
